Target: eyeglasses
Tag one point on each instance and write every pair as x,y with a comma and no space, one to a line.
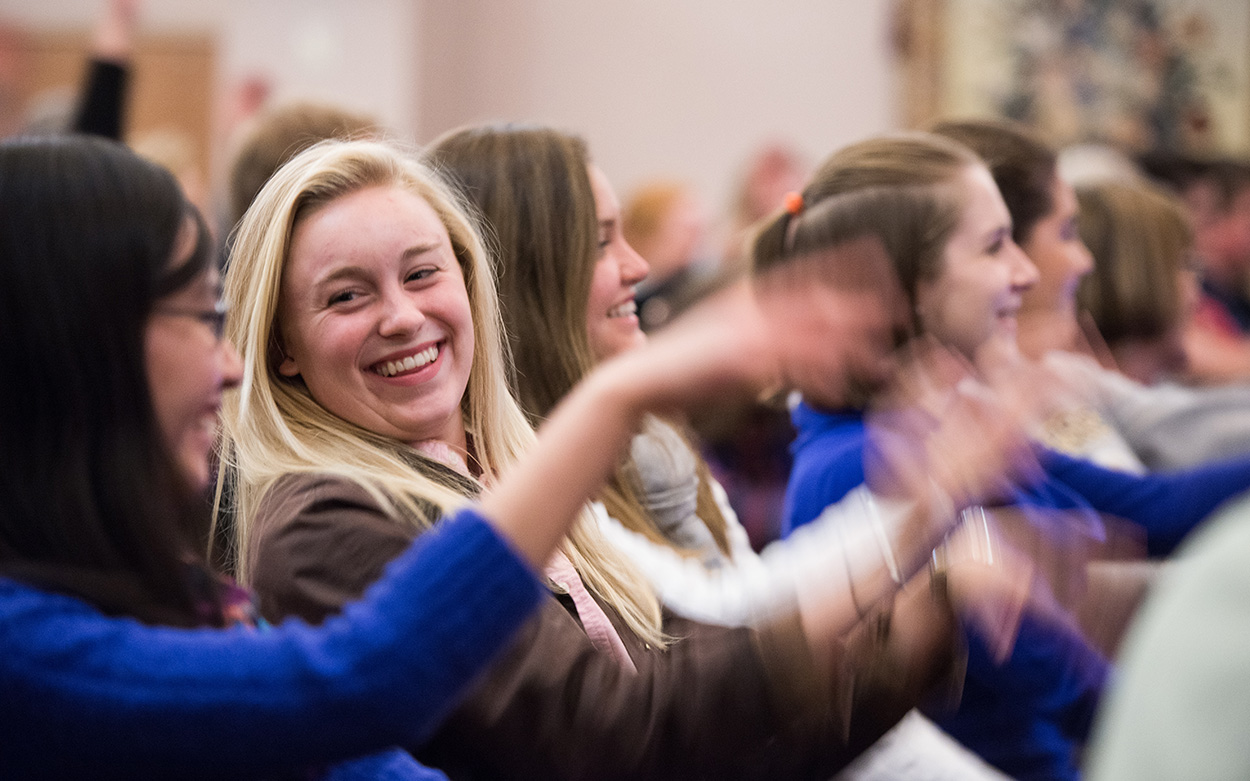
214,318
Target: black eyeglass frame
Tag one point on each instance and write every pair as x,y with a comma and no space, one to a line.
214,318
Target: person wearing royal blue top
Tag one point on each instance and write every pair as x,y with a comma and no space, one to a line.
828,463
121,654
935,209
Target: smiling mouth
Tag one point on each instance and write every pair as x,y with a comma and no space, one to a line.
626,309
408,364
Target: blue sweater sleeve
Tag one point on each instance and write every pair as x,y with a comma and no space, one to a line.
1166,504
393,765
826,468
86,695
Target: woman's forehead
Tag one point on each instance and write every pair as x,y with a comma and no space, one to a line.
983,204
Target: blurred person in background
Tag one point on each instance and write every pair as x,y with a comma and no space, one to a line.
1216,194
666,224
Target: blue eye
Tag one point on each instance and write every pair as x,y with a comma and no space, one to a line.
343,297
420,274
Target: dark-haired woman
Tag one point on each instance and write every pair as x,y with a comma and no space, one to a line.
121,654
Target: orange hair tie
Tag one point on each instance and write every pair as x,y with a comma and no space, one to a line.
793,203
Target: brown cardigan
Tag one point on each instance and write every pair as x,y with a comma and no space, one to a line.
718,703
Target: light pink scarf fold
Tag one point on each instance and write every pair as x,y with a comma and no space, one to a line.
595,622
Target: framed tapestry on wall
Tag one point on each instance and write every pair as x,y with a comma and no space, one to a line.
1142,74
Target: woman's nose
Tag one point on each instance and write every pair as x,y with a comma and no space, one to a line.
635,267
399,315
1024,274
231,364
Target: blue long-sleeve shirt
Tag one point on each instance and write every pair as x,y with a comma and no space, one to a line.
828,463
84,695
1029,716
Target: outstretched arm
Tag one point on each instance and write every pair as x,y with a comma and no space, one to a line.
84,694
1168,505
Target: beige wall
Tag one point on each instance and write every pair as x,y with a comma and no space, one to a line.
361,53
677,87
674,87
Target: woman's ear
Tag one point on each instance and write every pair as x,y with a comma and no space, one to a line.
287,366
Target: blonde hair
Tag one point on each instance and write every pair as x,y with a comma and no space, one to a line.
273,426
278,134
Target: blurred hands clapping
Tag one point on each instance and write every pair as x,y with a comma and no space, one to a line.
940,427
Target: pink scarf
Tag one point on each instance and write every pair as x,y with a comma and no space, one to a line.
595,622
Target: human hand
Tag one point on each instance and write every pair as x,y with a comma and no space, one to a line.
719,348
837,315
823,324
987,581
939,431
1029,387
115,30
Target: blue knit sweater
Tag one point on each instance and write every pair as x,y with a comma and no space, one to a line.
1028,717
84,695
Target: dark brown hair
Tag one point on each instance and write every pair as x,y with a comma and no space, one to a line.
1023,166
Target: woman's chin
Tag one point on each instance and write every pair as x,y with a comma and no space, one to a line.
197,476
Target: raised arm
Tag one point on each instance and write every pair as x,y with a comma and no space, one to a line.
114,698
102,104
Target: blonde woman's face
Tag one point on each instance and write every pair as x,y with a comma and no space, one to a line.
611,313
984,273
375,318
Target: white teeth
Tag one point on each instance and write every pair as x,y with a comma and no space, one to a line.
624,310
391,368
